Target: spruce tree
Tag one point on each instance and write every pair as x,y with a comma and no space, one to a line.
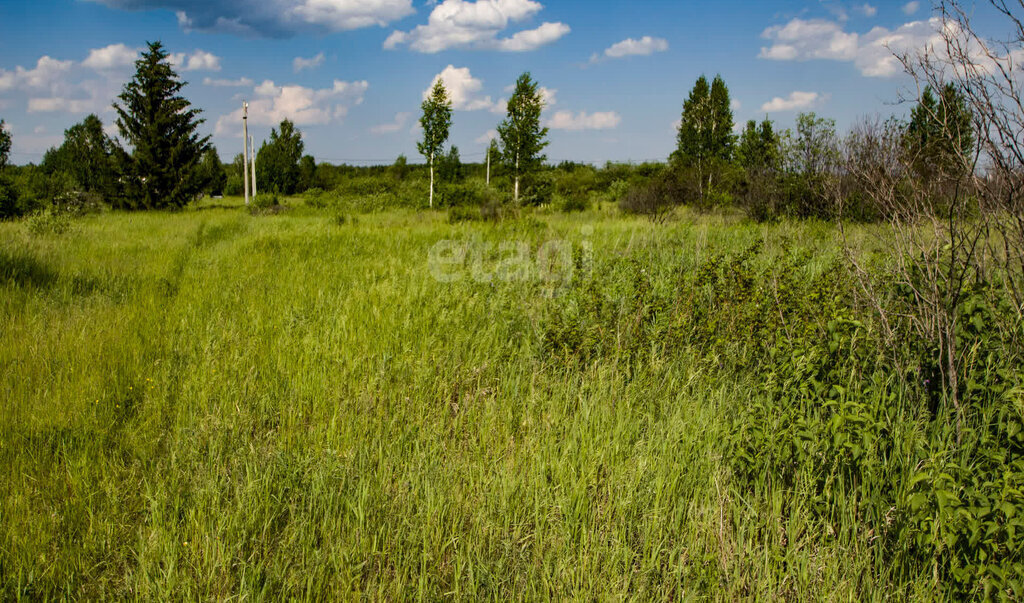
522,137
162,168
436,123
940,134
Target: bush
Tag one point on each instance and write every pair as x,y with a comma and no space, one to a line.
234,185
266,204
315,197
657,198
48,221
580,202
464,194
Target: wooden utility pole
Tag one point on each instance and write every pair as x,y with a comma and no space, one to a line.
245,149
252,154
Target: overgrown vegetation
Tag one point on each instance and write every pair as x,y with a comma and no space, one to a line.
783,364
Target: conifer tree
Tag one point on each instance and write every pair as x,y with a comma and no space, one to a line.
522,137
162,169
940,133
436,123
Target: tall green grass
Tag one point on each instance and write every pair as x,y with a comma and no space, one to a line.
208,405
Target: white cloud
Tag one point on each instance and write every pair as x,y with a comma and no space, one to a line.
200,60
113,56
487,137
242,82
389,128
567,120
304,106
463,89
735,104
794,102
867,10
532,39
548,95
911,7
476,25
300,63
57,103
629,47
275,18
47,73
872,53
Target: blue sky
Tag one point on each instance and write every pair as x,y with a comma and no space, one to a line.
352,73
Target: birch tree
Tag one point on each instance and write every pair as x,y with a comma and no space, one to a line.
436,123
522,137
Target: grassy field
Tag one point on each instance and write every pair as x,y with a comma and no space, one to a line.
208,405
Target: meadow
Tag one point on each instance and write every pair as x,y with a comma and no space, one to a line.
208,404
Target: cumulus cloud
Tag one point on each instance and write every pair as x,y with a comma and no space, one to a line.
872,53
114,56
275,18
301,63
487,137
477,25
911,7
242,82
47,73
304,106
567,120
629,47
867,10
200,60
394,126
794,102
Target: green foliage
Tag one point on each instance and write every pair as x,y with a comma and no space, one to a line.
705,132
522,137
758,148
49,221
86,157
940,134
435,122
9,205
163,168
277,162
213,173
5,145
266,204
400,168
307,173
449,167
703,410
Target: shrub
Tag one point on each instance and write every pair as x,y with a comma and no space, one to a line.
571,203
48,221
266,204
657,198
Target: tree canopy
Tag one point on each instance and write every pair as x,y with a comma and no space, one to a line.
436,123
87,156
277,163
522,136
162,169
